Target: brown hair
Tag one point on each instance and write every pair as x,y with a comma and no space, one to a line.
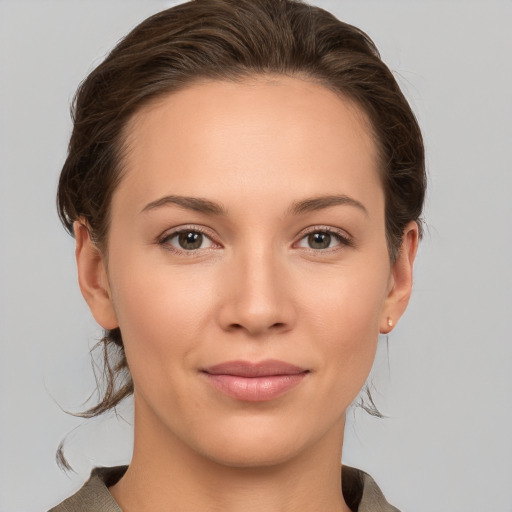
229,40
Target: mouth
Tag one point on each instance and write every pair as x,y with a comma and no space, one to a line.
255,382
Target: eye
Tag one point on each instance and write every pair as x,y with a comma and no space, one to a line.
323,239
187,240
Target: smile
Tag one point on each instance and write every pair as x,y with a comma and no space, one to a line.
255,382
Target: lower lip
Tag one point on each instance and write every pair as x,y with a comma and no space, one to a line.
255,389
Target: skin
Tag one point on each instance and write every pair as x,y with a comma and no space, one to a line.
254,290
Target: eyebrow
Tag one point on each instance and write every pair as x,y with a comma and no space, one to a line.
206,206
197,204
319,203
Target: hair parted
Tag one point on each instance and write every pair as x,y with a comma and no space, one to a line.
230,40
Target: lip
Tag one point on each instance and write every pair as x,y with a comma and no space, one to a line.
255,382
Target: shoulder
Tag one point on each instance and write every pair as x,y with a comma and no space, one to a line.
94,495
362,493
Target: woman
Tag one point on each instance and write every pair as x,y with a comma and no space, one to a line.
244,182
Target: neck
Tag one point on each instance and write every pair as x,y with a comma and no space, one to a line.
165,474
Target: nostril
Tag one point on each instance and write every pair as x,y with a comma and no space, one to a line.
275,326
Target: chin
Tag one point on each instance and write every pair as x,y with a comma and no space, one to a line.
252,455
258,444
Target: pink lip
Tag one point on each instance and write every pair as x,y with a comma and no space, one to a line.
255,382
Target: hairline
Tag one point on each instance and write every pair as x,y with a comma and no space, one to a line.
123,145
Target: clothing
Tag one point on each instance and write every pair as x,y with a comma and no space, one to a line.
359,489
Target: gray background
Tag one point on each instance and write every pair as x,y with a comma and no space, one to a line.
444,378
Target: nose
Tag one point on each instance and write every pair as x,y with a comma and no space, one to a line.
256,296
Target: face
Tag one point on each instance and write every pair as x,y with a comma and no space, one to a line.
247,268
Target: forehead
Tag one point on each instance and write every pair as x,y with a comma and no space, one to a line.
256,136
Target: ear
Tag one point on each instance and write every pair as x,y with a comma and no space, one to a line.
401,279
92,277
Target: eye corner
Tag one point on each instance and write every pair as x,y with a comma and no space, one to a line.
327,235
196,242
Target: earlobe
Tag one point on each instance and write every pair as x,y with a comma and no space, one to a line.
92,277
401,277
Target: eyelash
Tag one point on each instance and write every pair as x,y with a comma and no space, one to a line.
343,239
165,239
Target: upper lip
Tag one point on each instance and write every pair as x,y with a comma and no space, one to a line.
267,368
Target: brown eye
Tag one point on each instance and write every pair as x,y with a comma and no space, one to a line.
187,240
323,239
190,240
319,240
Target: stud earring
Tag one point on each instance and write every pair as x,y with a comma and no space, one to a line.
390,322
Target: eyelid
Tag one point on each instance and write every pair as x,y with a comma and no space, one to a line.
343,236
172,232
345,239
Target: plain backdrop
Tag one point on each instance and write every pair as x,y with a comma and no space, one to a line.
444,376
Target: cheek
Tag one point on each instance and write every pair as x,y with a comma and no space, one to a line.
347,298
345,310
161,313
